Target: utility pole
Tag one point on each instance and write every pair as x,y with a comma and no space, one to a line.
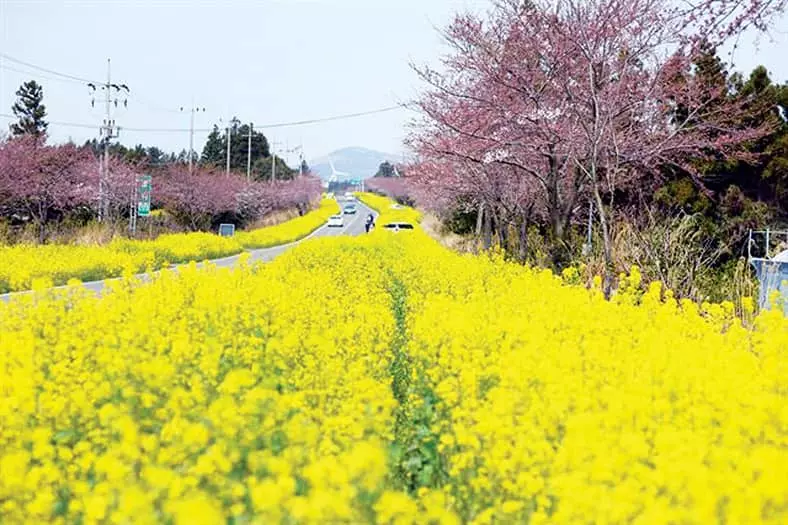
133,208
301,159
273,160
249,154
192,111
229,133
273,145
108,131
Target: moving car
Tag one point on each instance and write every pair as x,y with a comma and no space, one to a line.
349,209
336,220
397,226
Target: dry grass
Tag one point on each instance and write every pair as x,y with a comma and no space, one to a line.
272,219
459,243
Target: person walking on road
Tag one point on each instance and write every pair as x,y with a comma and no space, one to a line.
369,223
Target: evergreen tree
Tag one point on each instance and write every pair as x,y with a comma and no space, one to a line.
386,169
30,111
213,153
261,170
156,157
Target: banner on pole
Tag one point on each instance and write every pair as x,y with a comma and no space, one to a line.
144,191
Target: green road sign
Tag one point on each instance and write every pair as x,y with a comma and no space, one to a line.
144,191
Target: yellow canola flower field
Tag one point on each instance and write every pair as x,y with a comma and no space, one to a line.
389,211
386,380
290,231
22,265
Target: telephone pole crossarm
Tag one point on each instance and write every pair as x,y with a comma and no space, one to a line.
108,131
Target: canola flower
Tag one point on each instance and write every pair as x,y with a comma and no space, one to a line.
386,380
21,265
389,211
297,228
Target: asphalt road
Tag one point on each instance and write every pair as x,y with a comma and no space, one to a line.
354,225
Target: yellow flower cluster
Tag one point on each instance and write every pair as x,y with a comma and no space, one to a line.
290,231
206,395
389,211
21,265
549,404
383,379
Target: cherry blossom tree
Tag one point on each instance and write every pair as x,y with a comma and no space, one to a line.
38,182
495,109
639,107
41,183
580,97
197,198
200,198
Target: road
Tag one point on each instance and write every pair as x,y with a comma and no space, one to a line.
354,225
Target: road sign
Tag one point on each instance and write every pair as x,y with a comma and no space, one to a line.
226,230
144,191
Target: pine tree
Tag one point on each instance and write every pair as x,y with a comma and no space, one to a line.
213,154
240,146
215,151
261,170
386,169
30,111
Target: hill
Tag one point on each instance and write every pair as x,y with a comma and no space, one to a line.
356,162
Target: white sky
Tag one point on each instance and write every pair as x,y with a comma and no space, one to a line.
261,60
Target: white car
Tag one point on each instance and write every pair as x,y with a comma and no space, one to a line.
397,226
336,220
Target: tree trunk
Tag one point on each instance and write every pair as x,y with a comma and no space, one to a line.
523,248
479,218
487,231
503,228
41,223
498,227
558,219
607,277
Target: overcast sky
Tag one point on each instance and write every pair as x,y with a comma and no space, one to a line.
263,61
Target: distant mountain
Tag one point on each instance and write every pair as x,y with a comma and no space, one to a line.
356,162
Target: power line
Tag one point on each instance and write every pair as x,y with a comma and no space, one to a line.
280,124
264,126
75,78
38,75
152,105
50,71
145,102
55,123
336,117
